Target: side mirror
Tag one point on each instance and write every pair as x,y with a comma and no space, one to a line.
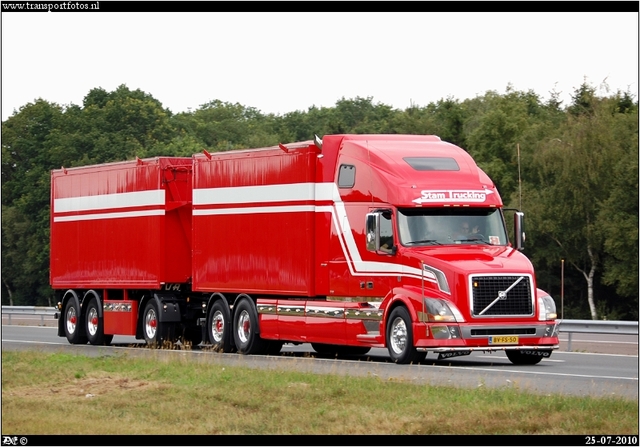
373,241
373,231
518,230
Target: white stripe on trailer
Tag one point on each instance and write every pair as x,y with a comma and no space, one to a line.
154,197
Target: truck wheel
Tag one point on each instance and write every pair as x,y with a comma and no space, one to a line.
95,325
245,324
72,324
220,328
155,332
400,338
527,357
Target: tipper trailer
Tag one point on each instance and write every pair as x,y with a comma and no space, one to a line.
348,242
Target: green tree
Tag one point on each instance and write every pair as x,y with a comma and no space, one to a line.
222,126
618,215
42,136
574,190
26,144
444,118
119,125
497,125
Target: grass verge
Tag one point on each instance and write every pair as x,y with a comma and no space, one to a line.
61,393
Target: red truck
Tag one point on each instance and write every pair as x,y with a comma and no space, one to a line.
348,242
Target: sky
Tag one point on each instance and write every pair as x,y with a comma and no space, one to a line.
281,62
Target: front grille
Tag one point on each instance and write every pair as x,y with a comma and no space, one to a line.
517,301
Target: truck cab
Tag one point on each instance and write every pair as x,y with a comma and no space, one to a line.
428,244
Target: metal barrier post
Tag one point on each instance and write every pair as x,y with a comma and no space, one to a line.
569,344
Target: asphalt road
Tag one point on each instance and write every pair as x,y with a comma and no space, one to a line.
594,343
582,372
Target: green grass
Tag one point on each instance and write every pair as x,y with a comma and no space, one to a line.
44,394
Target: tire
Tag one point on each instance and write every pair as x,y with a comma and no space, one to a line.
156,333
219,327
245,326
400,338
73,327
527,357
94,324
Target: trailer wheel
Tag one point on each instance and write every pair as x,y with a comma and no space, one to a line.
245,324
527,357
95,325
155,332
400,338
220,328
72,324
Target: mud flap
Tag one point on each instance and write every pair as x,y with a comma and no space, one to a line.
168,308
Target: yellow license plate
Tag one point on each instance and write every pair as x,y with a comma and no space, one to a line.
504,340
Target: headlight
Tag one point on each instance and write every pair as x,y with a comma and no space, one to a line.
546,308
439,311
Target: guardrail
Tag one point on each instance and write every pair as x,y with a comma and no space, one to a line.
568,326
597,327
28,311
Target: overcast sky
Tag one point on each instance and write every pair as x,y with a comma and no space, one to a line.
282,62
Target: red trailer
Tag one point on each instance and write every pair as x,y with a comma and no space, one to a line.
347,243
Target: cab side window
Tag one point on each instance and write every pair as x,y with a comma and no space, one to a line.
346,176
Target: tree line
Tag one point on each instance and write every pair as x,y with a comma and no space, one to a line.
573,170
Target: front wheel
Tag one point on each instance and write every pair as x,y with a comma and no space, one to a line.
527,357
72,324
245,326
400,338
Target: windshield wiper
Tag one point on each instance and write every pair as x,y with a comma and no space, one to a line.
476,239
424,241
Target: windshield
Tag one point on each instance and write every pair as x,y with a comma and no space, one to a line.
440,226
